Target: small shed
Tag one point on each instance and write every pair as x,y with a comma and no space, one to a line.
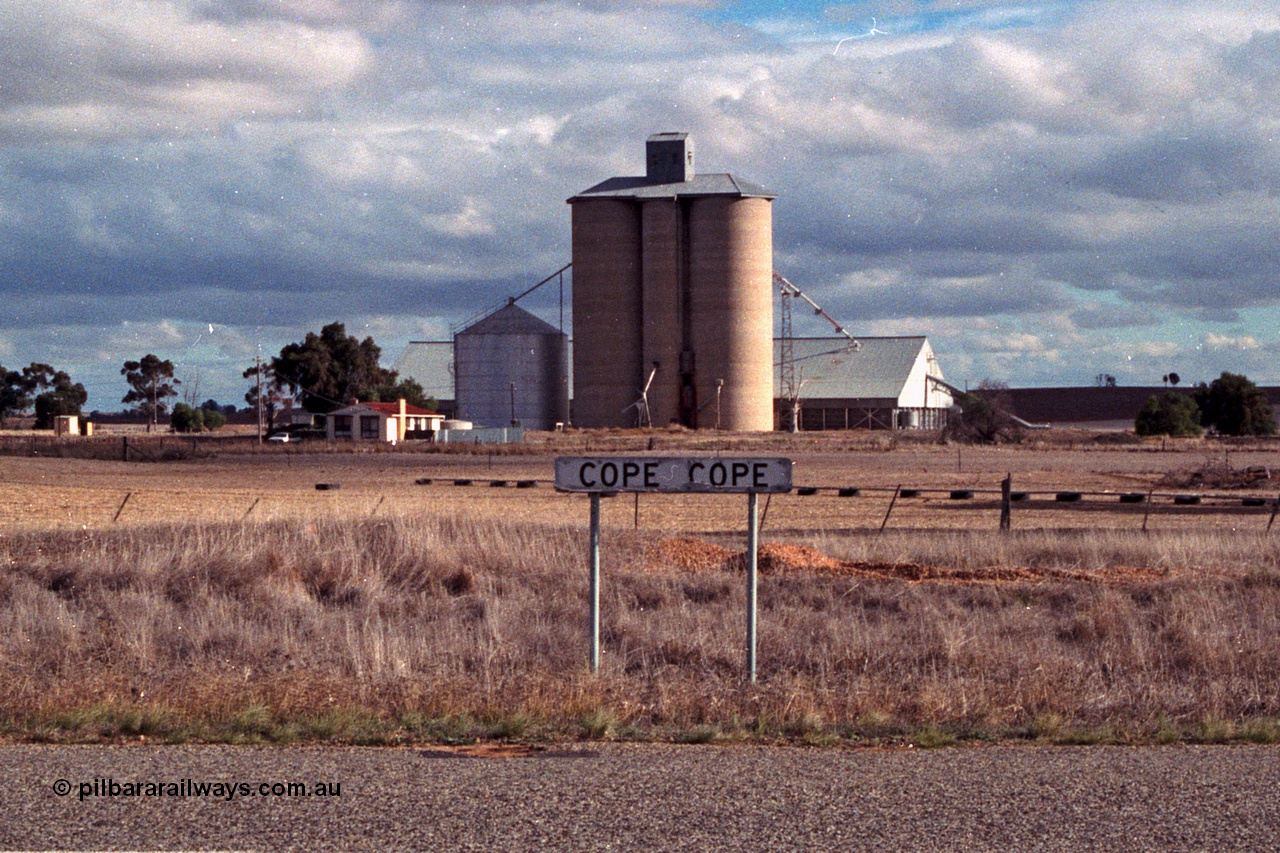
884,383
381,422
66,425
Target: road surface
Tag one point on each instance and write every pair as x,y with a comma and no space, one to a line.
593,797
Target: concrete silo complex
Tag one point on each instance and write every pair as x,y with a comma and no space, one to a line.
672,292
512,366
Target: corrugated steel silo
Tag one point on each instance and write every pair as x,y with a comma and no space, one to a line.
512,363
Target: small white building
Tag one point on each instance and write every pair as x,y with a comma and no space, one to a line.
885,383
381,422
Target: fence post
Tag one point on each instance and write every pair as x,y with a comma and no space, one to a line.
889,511
1005,510
121,508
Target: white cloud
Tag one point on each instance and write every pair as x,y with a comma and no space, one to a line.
113,70
1225,342
1042,200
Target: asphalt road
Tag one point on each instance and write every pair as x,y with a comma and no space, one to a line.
649,798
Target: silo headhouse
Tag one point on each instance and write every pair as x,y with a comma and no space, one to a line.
672,291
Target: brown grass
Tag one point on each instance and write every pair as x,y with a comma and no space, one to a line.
230,600
451,628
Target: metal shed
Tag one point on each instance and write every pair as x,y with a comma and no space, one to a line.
886,383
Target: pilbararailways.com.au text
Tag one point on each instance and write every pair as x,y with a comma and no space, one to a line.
109,787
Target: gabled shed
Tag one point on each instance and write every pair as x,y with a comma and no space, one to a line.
886,383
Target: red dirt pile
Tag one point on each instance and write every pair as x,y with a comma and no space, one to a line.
777,558
690,555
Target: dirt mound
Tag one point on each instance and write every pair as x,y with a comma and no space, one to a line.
777,558
1218,477
691,555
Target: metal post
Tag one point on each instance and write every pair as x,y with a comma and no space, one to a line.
753,542
257,366
594,629
1005,512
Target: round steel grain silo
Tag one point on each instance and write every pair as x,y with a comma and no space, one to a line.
512,366
606,311
731,300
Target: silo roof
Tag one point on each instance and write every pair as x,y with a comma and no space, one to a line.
510,319
700,185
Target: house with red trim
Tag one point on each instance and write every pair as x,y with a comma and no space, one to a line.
382,422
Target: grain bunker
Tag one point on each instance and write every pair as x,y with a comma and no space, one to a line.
672,297
511,369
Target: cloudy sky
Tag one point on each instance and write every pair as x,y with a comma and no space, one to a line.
1049,190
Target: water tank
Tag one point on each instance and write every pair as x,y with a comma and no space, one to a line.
511,365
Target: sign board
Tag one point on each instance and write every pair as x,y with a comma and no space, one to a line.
666,474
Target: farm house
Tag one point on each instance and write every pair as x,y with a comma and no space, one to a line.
883,383
381,422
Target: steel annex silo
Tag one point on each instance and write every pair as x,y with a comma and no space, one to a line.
672,287
512,366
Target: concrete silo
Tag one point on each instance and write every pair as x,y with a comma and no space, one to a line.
672,279
512,366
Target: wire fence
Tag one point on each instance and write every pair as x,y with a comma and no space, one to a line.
807,509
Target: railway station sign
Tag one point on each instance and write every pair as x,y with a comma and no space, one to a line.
606,474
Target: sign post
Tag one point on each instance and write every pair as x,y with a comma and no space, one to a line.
612,474
753,550
595,582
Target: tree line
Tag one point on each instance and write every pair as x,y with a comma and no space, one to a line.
1230,405
320,373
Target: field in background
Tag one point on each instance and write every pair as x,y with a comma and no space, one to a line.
228,598
233,480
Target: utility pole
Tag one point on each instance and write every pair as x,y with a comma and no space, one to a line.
719,388
257,368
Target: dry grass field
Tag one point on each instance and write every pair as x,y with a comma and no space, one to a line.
224,597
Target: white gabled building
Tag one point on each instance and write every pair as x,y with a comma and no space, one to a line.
886,383
381,422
